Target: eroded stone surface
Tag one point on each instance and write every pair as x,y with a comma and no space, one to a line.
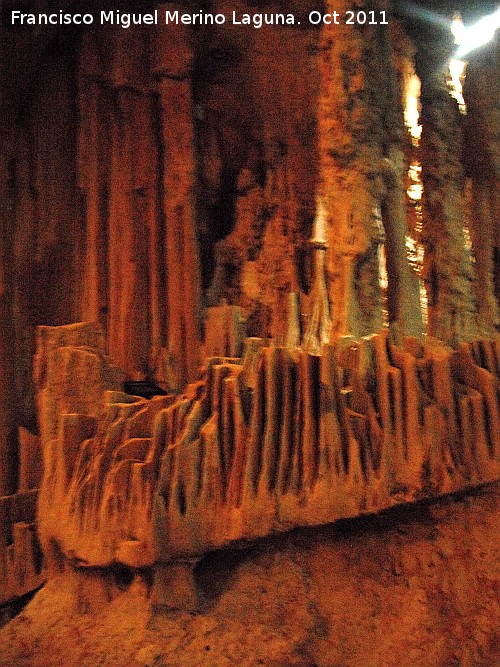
255,447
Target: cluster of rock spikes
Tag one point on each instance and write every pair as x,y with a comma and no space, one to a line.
276,438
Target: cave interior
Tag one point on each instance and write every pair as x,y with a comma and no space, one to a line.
249,289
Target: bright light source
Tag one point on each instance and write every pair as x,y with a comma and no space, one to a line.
458,30
415,191
412,106
477,35
457,75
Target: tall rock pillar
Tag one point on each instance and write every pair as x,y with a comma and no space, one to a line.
482,157
173,64
360,129
447,265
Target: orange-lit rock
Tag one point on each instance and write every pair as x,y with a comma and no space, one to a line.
360,127
168,191
20,554
300,440
173,64
399,589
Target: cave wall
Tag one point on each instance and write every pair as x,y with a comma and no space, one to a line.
279,123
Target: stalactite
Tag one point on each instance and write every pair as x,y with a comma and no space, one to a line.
119,172
132,207
94,151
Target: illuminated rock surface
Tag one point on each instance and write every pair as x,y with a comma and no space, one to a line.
301,440
220,213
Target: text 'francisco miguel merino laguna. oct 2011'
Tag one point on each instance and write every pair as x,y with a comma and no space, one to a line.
252,20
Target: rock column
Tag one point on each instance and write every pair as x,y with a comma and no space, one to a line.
447,265
482,152
173,69
356,70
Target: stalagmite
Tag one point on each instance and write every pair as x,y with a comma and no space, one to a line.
224,331
403,299
20,555
320,326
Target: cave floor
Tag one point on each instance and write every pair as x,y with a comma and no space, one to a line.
416,586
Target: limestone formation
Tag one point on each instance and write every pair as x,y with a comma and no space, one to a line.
173,67
482,158
361,173
20,555
447,267
213,211
300,439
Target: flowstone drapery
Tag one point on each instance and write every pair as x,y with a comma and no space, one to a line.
260,444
